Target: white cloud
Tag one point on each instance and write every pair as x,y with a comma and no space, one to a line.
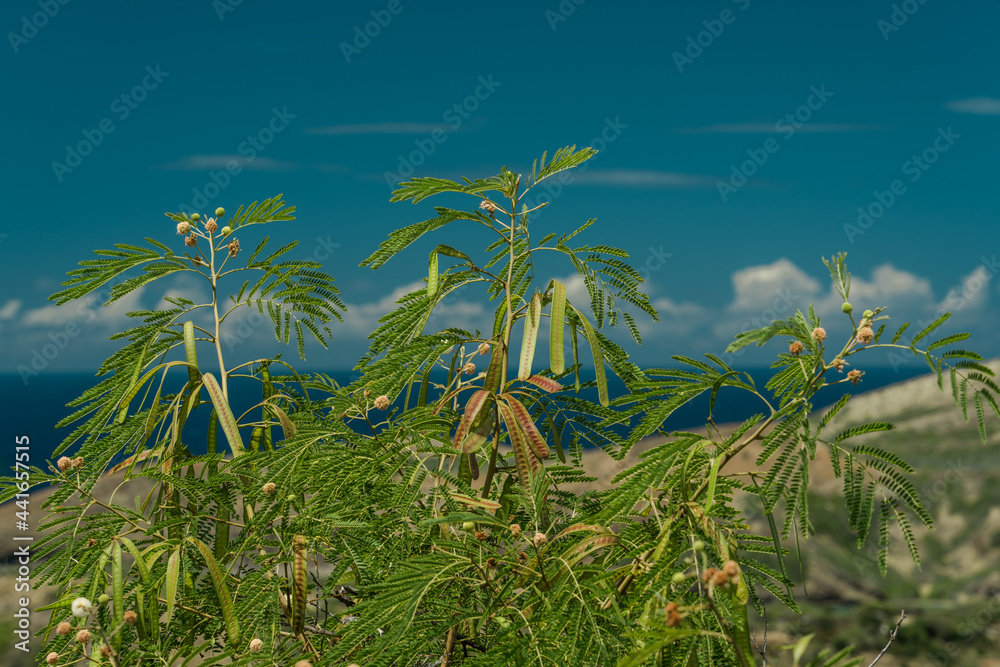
642,178
86,311
756,288
775,128
380,128
986,106
10,309
225,161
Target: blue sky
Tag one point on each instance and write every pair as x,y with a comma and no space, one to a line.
740,139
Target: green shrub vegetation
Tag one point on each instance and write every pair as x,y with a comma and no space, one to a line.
422,515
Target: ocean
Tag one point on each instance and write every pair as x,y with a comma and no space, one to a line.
33,410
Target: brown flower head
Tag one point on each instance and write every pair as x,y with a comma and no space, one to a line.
234,247
256,645
366,393
720,578
488,206
63,628
866,335
673,619
795,347
539,539
191,240
382,402
303,663
106,651
269,488
183,228
838,363
64,463
515,529
855,377
469,368
521,557
211,225
707,575
78,462
481,535
484,349
731,568
819,334
83,637
52,658
130,617
491,563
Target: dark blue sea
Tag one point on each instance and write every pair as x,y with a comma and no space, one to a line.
33,410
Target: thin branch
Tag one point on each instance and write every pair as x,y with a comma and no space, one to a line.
892,638
763,648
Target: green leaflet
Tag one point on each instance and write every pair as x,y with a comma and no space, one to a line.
225,414
595,348
532,318
192,357
557,323
221,590
173,576
299,582
432,274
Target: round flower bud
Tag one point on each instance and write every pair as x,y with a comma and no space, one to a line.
867,314
130,617
698,546
219,212
83,637
63,628
846,308
227,230
64,463
269,488
382,402
819,334
81,607
52,658
103,598
469,526
484,349
196,217
866,335
256,645
678,578
795,347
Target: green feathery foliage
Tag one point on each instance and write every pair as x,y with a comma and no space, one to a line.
431,513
